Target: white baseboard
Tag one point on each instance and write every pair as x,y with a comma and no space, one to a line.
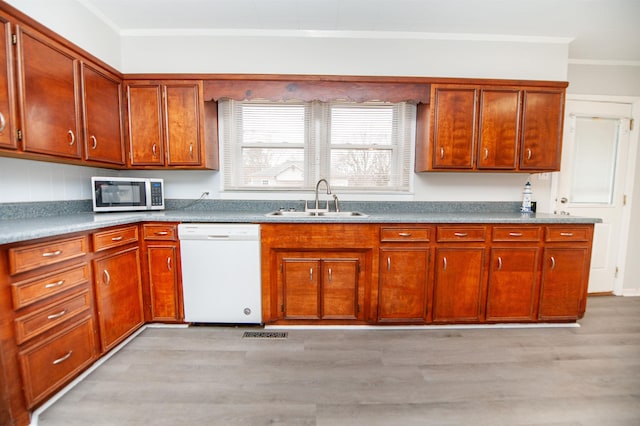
630,292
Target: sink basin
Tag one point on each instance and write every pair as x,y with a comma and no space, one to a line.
285,213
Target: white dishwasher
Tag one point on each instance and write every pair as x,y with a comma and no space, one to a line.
221,273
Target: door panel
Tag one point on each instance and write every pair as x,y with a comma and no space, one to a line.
592,179
301,288
340,289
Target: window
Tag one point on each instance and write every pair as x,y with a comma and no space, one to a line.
290,145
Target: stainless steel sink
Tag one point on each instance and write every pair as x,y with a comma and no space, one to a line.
285,213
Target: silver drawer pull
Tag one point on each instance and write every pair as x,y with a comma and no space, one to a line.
528,153
94,142
388,263
162,233
310,274
117,238
107,277
404,234
169,263
58,315
72,137
52,253
444,263
566,234
553,263
330,275
62,359
460,234
56,284
499,263
515,234
3,122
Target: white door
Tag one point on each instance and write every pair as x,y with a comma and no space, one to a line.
591,180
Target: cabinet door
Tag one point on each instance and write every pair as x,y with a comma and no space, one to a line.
340,289
300,281
103,122
48,78
458,285
541,140
565,272
163,281
7,114
145,139
512,291
118,295
498,131
403,284
454,122
183,117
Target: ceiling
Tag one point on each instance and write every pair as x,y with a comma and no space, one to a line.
600,30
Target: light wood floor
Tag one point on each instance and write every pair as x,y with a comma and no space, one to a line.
212,376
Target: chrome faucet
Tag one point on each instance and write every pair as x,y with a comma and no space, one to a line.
328,192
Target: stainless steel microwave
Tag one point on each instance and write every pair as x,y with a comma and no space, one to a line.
115,194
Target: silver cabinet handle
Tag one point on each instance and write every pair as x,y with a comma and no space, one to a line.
499,263
154,150
191,150
62,359
388,264
52,253
58,315
160,233
444,263
3,122
441,152
404,234
94,142
460,234
117,238
169,263
330,275
553,263
73,137
310,274
56,284
566,234
486,153
107,277
528,153
515,234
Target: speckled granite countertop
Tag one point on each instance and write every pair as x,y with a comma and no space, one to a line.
17,227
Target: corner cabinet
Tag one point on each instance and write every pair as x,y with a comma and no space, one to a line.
166,125
490,128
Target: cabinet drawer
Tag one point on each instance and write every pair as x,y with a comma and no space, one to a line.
27,292
567,233
48,365
461,233
159,232
514,233
402,234
32,256
115,237
35,323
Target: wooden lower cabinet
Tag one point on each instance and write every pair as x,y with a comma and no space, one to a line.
48,364
162,292
320,287
118,295
564,278
512,292
459,285
402,290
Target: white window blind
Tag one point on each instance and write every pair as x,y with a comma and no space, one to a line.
290,145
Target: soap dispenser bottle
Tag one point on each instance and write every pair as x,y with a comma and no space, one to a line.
526,198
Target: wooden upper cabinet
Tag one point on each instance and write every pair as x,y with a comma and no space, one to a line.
103,132
48,75
454,115
7,113
146,145
541,140
490,128
498,128
166,124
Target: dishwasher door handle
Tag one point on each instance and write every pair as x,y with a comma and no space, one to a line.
217,237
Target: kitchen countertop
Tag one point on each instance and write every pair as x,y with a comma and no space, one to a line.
15,230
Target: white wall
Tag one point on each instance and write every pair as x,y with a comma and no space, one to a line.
294,53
